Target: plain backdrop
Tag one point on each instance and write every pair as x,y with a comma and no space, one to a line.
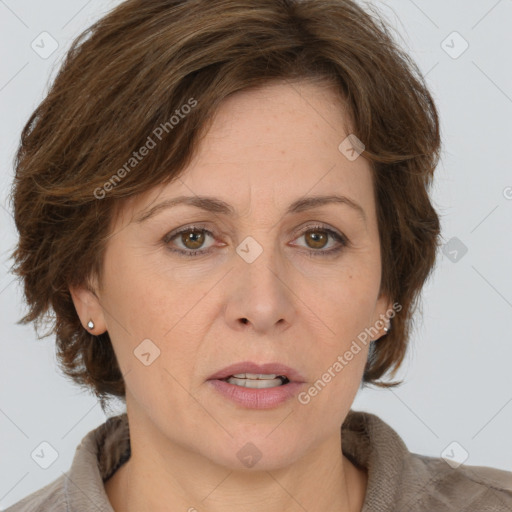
458,378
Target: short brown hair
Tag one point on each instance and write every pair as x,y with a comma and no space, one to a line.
132,70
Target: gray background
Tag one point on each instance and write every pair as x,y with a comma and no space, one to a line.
458,371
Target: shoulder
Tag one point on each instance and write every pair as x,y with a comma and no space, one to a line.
459,488
399,480
97,457
51,497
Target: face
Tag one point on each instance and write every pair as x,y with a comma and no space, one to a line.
264,283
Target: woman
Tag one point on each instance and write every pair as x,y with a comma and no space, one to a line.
226,206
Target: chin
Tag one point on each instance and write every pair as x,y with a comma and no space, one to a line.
258,451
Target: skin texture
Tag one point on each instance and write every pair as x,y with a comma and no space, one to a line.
266,148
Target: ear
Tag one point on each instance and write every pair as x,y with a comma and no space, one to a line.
382,315
88,308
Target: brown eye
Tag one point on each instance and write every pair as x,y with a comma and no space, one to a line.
317,238
192,239
189,241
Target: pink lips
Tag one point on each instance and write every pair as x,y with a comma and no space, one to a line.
255,398
267,368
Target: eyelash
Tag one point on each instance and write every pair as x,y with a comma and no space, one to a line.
341,239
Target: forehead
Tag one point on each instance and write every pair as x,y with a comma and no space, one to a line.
271,145
280,121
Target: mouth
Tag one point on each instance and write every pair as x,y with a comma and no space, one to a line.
258,376
257,386
257,380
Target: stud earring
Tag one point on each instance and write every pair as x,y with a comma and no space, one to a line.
90,324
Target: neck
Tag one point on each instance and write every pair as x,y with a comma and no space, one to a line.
162,475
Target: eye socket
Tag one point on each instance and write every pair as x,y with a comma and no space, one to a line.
322,240
198,233
197,237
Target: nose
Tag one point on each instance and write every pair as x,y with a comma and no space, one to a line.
261,297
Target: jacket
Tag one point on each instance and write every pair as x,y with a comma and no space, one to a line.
398,480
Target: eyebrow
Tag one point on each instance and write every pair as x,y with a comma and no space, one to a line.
215,205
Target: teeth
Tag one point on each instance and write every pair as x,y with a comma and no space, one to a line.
251,382
255,375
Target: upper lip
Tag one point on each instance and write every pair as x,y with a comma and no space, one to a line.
266,368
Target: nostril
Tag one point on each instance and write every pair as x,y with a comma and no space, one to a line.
244,320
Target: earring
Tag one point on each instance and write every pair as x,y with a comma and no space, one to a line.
387,329
90,324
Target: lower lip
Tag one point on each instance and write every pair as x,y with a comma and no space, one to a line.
265,398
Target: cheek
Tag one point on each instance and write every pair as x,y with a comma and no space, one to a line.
163,392
345,308
149,313
340,368
344,305
142,295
